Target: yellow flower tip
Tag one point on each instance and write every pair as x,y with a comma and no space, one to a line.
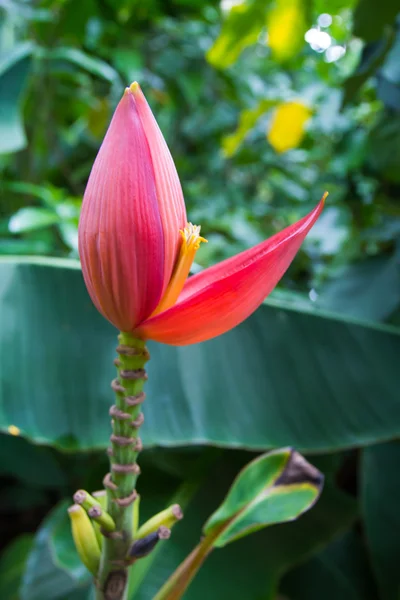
134,87
13,430
324,197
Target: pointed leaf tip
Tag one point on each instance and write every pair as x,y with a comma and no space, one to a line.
298,470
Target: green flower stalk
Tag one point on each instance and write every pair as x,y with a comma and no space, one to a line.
120,482
104,524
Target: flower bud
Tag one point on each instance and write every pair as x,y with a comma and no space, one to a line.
132,213
142,547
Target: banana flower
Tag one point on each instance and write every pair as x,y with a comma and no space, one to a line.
137,248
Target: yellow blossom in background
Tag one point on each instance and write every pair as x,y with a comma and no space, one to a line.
288,125
286,26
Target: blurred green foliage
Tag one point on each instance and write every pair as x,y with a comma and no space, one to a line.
214,74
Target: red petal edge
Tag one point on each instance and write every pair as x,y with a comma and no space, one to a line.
220,297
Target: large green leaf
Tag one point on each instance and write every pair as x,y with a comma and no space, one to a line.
284,377
44,469
369,289
380,503
14,69
341,570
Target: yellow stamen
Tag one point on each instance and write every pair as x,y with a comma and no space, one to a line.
191,240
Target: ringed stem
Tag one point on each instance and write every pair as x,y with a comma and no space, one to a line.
120,483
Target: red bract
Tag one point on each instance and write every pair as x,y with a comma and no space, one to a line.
131,215
137,249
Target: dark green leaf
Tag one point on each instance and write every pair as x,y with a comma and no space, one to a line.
389,93
380,504
391,68
30,464
370,19
341,570
12,566
274,488
283,377
53,569
15,498
14,70
384,149
156,493
368,290
373,56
